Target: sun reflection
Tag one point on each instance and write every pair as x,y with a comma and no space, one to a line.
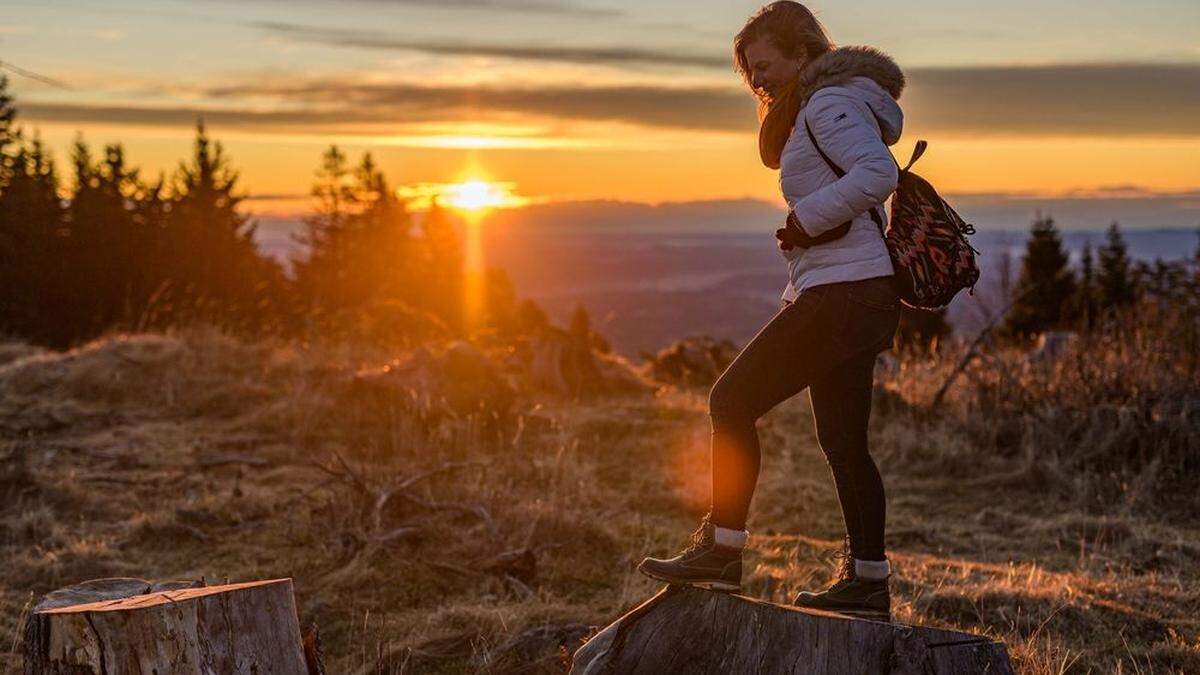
472,196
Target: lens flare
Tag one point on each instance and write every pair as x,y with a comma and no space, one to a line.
474,195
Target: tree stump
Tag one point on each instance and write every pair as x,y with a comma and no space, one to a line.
236,628
688,630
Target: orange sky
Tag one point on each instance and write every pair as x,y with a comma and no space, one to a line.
622,101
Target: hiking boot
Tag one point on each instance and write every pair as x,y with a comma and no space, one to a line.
851,594
711,560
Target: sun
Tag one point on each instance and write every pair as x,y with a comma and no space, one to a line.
476,195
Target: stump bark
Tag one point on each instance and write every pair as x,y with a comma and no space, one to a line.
688,630
235,628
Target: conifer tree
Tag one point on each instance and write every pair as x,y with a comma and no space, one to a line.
102,248
320,273
1046,285
219,274
384,245
1117,286
443,267
9,133
31,217
1196,261
1086,295
359,241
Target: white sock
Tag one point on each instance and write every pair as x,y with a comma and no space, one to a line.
731,538
872,569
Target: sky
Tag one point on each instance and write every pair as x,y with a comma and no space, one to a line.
606,99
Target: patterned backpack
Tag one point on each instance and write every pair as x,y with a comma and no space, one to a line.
926,239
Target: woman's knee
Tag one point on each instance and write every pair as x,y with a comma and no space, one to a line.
725,402
828,444
841,445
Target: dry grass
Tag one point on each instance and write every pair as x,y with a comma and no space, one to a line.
181,455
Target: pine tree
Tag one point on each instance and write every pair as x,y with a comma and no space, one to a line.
31,219
360,245
1086,295
384,246
9,134
501,307
102,250
1196,261
443,266
217,271
1117,286
1046,285
320,273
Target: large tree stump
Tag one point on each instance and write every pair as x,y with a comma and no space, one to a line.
687,630
236,628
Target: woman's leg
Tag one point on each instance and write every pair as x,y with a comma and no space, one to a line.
795,347
786,354
841,404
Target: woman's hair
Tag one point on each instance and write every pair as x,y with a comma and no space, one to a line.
795,32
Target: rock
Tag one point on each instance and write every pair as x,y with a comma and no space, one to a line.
694,361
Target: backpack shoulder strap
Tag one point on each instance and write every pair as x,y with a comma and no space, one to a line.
837,170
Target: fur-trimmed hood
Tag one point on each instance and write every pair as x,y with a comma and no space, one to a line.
867,71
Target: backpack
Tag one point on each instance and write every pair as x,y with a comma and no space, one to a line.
926,239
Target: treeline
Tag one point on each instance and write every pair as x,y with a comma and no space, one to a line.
111,249
1051,295
107,248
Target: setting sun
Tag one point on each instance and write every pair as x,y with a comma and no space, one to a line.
474,195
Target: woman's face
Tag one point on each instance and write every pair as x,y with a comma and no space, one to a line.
769,68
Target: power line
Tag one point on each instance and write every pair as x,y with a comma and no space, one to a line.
33,76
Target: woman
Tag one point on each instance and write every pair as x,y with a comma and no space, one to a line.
840,309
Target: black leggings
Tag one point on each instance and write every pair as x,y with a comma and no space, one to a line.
826,340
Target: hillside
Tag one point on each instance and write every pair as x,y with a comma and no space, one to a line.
425,538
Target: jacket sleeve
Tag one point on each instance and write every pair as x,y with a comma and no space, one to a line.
840,124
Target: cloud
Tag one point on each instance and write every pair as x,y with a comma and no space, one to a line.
694,109
360,39
1141,99
1116,100
534,6
181,116
709,108
1136,99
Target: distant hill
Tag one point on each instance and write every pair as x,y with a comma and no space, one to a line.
649,274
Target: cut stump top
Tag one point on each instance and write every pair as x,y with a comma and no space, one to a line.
159,598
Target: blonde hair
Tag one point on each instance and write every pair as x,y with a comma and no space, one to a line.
794,31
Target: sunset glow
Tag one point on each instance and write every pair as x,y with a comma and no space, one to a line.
474,195
652,113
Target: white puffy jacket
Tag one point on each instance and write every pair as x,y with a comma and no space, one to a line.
853,113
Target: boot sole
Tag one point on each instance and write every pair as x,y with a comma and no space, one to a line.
706,584
870,614
864,614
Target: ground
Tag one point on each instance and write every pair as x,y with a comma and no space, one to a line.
175,457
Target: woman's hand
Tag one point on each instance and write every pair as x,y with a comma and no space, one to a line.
791,234
785,243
